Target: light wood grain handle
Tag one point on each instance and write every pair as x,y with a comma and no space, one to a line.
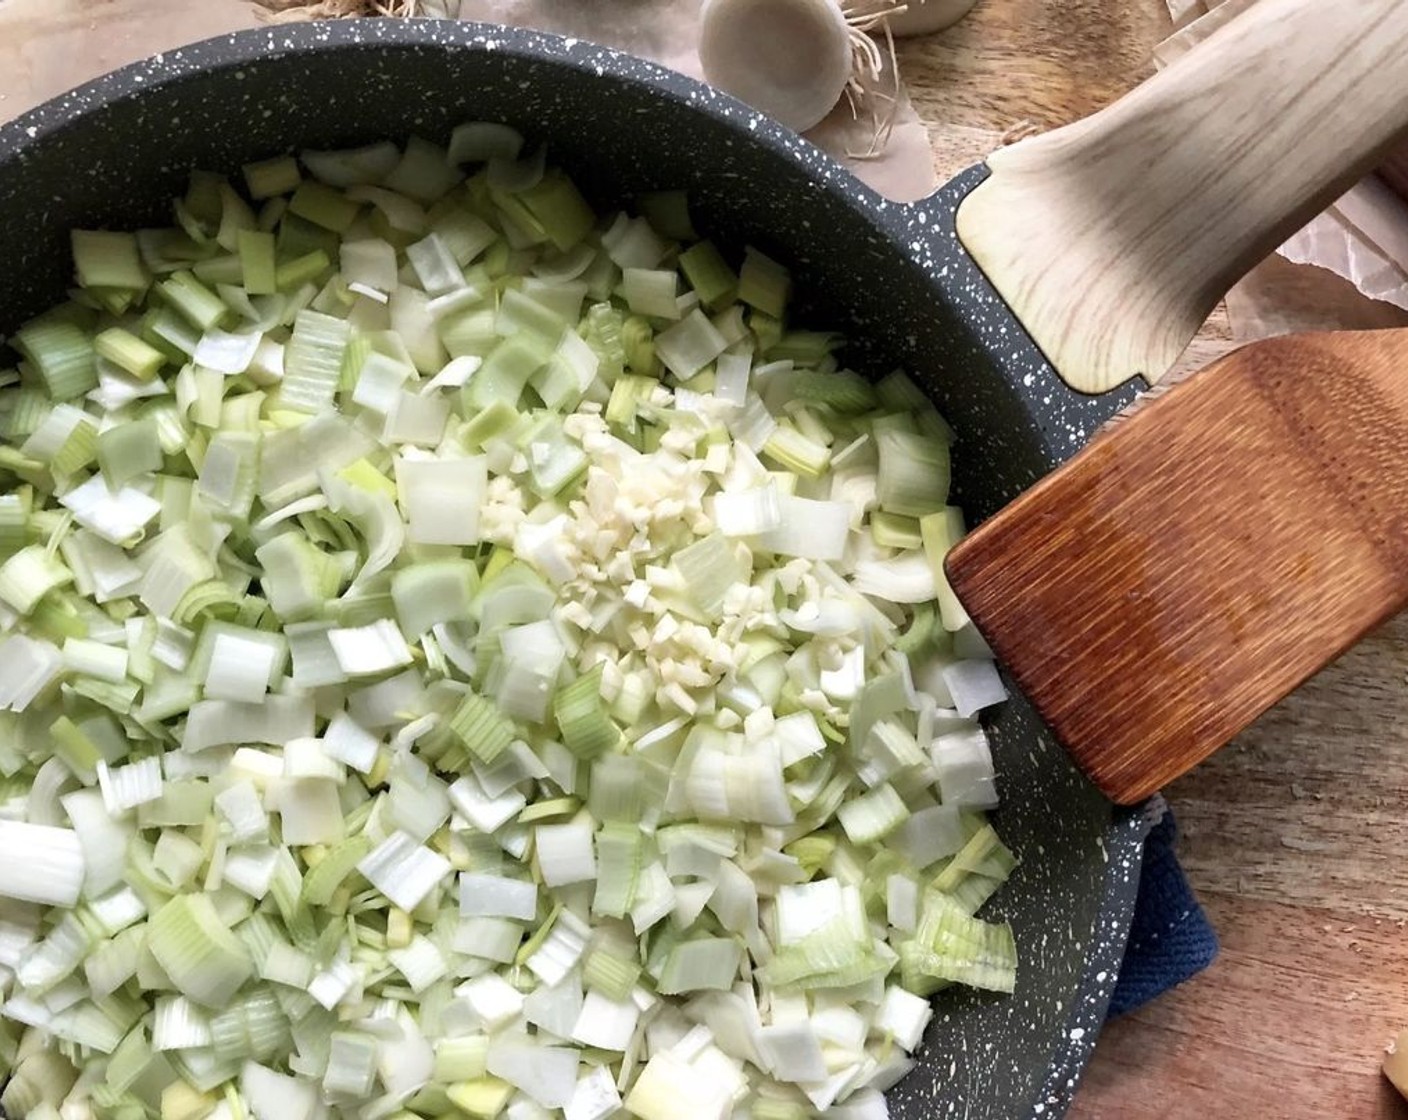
1113,239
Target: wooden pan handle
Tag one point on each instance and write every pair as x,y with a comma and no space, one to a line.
1113,238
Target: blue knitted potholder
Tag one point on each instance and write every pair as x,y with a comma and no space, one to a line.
1170,939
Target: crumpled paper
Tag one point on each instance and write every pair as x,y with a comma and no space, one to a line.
1362,238
48,46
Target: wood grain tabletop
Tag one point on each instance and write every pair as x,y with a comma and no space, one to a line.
1295,837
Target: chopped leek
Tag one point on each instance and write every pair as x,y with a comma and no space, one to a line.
129,353
462,656
206,962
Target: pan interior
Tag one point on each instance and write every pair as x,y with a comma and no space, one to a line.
115,153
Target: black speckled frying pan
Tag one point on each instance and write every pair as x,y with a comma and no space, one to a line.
115,152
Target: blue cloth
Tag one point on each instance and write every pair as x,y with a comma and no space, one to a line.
1170,939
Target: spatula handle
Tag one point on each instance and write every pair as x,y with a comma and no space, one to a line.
1113,238
1203,557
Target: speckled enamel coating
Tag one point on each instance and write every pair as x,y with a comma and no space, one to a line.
114,151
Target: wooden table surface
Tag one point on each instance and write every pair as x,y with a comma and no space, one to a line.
1295,838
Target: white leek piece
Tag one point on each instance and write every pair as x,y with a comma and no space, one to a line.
404,871
442,499
42,864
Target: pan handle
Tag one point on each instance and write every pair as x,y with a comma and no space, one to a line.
1114,238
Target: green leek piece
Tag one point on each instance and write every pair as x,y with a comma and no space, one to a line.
253,1027
325,879
302,270
297,237
506,371
582,717
812,348
627,396
833,956
618,859
206,962
794,452
612,975
701,964
914,473
165,330
224,269
62,354
108,260
466,234
129,450
842,391
766,329
461,1059
873,815
271,177
79,753
983,854
257,266
28,408
323,206
182,804
299,577
711,567
921,632
709,275
29,575
952,946
434,592
313,362
812,852
559,808
480,1098
764,284
208,600
559,209
482,728
128,352
200,307
940,532
352,1064
518,218
519,314
236,216
56,618
494,422
601,328
638,347
66,441
469,333
14,521
668,214
894,530
898,393
202,201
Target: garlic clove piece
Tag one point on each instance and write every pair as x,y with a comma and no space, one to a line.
790,59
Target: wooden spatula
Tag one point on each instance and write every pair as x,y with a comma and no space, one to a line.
1204,555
